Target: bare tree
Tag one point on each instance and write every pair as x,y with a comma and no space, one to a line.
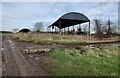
99,33
38,27
104,29
109,29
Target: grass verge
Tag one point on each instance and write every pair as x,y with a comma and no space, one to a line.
72,62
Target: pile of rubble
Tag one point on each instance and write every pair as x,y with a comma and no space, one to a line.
38,50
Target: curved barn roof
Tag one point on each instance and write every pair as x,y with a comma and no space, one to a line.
25,30
70,19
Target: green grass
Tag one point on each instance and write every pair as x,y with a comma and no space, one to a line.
50,41
5,34
69,62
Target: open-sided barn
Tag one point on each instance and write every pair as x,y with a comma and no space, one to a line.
70,19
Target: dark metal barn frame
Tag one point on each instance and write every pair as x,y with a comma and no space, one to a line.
70,19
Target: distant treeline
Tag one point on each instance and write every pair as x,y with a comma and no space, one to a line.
6,32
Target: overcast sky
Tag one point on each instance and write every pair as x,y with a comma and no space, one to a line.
25,14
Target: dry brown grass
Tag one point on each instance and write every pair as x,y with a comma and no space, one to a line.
49,36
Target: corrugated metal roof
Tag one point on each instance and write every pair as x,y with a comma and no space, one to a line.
70,19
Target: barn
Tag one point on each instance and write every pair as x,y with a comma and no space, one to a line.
24,30
69,19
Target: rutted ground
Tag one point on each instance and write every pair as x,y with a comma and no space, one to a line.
14,62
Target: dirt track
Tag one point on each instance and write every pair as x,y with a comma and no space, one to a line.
15,63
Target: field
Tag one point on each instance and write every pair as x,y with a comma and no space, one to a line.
76,61
47,38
